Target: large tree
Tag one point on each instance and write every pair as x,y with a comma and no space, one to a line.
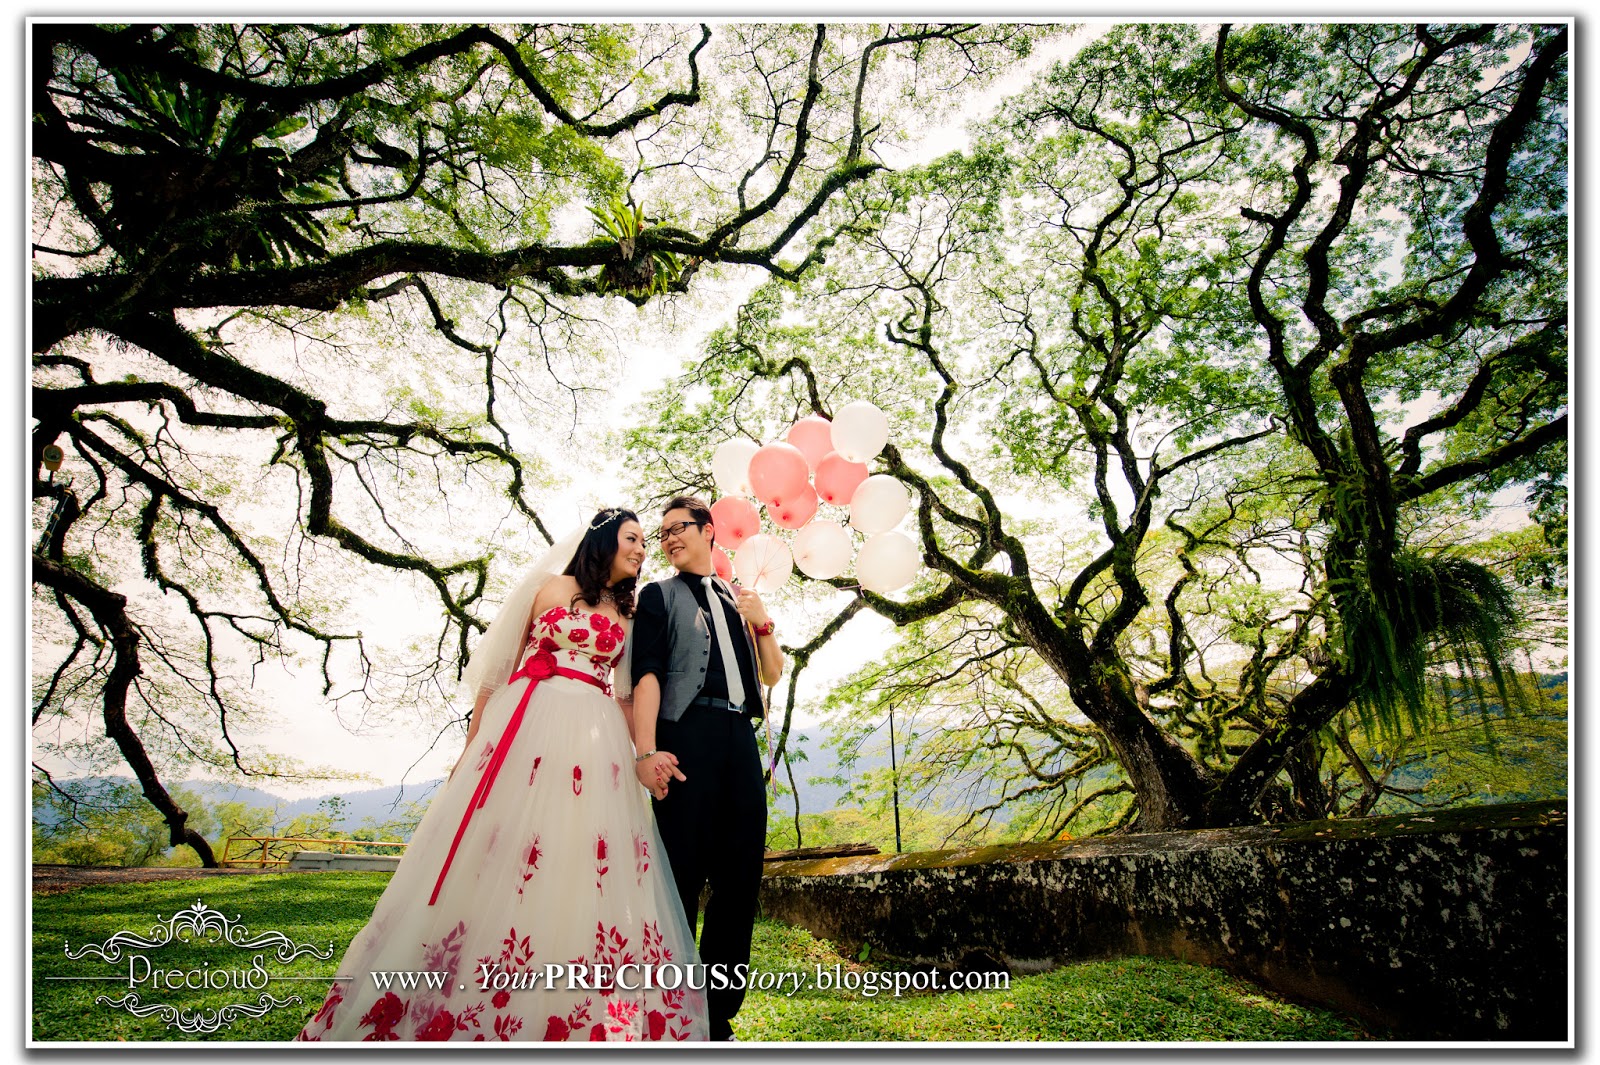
306,294
1275,317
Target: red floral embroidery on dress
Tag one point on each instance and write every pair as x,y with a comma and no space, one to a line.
577,780
559,1029
501,997
515,951
530,865
610,949
483,757
382,1017
616,776
622,1013
565,637
446,954
507,1025
653,945
641,857
535,770
441,1027
601,868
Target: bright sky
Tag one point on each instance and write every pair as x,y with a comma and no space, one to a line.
392,751
389,745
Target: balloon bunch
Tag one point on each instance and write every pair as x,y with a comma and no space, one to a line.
816,462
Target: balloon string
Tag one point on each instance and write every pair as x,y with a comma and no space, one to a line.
772,768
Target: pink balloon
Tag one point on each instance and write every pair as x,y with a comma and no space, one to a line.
735,519
778,472
795,512
838,478
814,437
722,563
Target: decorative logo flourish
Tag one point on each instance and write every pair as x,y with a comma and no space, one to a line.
197,1022
201,922
198,923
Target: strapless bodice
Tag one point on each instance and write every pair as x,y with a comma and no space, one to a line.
581,640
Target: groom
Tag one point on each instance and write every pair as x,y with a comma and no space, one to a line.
700,655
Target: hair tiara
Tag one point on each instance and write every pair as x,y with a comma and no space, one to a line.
606,514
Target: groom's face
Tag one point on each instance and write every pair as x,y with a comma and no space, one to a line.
689,548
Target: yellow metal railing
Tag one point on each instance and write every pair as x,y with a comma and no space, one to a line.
265,858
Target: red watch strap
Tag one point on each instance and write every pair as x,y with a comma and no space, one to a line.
763,630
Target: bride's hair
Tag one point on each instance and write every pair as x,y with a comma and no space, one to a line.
591,562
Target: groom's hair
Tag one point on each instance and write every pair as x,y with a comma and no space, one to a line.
697,508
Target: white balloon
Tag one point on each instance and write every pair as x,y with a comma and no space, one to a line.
887,561
822,549
730,466
878,504
859,431
763,562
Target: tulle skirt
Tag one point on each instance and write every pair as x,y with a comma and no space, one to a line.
560,864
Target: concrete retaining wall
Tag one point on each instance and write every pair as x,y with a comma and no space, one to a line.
1447,926
366,863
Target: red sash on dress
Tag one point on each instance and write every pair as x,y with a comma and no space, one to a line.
539,666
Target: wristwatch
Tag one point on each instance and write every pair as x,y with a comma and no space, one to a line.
764,630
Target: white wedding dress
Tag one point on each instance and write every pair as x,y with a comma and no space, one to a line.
542,848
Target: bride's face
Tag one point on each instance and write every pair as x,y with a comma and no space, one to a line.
630,552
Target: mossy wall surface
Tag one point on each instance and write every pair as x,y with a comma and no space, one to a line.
1445,926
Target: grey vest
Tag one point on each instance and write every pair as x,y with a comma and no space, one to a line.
689,639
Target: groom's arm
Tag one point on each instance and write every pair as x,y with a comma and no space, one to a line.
649,658
769,656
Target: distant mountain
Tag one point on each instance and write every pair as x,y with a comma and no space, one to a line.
380,804
816,794
822,762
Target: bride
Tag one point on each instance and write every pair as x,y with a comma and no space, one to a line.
539,849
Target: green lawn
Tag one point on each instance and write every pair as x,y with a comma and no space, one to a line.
1129,999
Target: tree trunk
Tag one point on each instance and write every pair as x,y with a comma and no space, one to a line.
110,610
1169,784
1234,801
1310,800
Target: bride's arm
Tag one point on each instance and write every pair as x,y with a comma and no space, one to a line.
626,701
557,592
472,731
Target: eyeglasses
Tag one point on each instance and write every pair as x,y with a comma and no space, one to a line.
676,530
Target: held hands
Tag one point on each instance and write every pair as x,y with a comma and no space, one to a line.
656,771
